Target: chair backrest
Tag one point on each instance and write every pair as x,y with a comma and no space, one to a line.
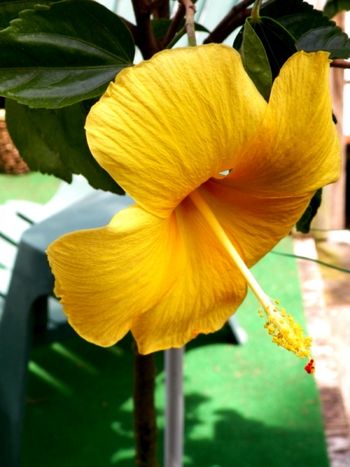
16,216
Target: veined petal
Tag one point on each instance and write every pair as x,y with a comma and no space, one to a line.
107,276
168,124
207,290
166,280
254,224
296,150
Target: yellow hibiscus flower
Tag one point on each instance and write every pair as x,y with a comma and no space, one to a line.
218,176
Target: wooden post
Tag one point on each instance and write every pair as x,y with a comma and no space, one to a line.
331,215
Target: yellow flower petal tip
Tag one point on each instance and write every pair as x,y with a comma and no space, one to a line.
285,331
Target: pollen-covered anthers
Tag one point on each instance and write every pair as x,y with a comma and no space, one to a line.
285,331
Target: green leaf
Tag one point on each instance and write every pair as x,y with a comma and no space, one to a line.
9,10
332,7
300,23
276,40
255,60
54,142
53,87
310,28
160,27
278,8
54,56
331,39
303,225
296,16
279,45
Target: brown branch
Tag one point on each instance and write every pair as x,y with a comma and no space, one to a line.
160,9
340,64
174,25
235,17
147,42
144,410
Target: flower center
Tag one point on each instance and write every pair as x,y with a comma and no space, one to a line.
279,324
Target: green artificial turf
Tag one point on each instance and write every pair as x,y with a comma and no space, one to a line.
246,406
32,186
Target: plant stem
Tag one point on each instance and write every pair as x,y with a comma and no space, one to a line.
189,22
256,11
174,25
234,18
144,410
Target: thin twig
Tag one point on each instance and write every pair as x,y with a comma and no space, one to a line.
145,35
340,64
234,18
174,25
189,22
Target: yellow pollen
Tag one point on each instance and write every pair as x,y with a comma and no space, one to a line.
280,325
285,331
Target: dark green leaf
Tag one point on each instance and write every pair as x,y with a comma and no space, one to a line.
237,43
303,225
53,142
333,7
53,87
296,16
55,56
85,20
9,10
160,27
300,23
255,60
329,38
310,28
277,42
278,8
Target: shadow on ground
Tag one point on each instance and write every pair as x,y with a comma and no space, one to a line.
79,413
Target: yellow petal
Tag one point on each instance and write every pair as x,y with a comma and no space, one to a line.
167,125
106,276
207,290
254,224
281,326
296,150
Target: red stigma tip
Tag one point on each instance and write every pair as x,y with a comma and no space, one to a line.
310,367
